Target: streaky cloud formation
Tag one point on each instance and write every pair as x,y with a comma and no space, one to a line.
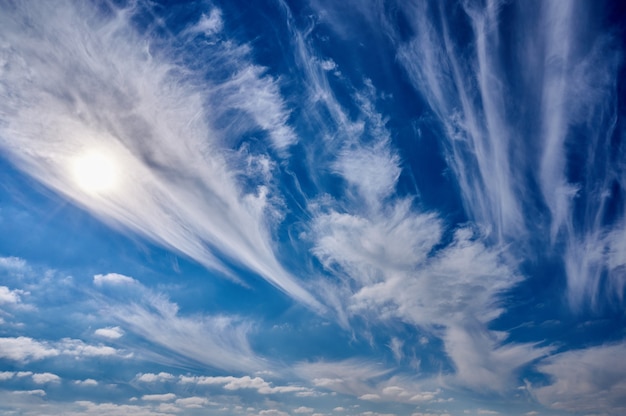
311,207
91,83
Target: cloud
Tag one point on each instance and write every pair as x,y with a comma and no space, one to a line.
245,382
219,341
114,332
37,392
11,296
303,409
43,378
166,126
159,397
89,382
13,263
209,25
25,349
113,279
499,155
6,375
590,380
388,261
194,402
152,378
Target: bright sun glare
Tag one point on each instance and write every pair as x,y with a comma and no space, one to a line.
95,172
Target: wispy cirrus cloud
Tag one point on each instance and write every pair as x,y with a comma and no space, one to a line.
510,148
82,81
219,341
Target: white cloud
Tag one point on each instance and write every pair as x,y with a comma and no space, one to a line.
37,392
370,396
395,345
13,263
303,409
6,375
114,279
245,382
11,296
591,380
209,25
272,412
220,341
43,378
167,127
86,383
159,397
79,348
151,377
194,402
114,332
25,349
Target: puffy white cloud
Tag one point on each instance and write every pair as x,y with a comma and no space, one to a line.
13,263
43,378
159,397
151,377
303,409
114,332
26,349
194,402
113,279
11,296
245,382
89,382
6,375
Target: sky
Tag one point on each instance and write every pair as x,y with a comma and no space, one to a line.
312,207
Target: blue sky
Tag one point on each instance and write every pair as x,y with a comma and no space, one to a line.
318,207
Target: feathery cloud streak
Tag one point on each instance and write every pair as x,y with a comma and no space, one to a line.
77,80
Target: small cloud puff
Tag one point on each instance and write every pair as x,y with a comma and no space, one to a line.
159,397
87,382
114,332
43,378
114,279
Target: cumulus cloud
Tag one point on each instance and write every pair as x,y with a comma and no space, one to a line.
9,296
159,397
89,382
44,378
245,382
152,378
25,349
114,332
113,279
194,402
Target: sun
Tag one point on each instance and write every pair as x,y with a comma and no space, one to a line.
95,172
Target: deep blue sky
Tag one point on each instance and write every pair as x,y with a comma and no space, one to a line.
312,207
